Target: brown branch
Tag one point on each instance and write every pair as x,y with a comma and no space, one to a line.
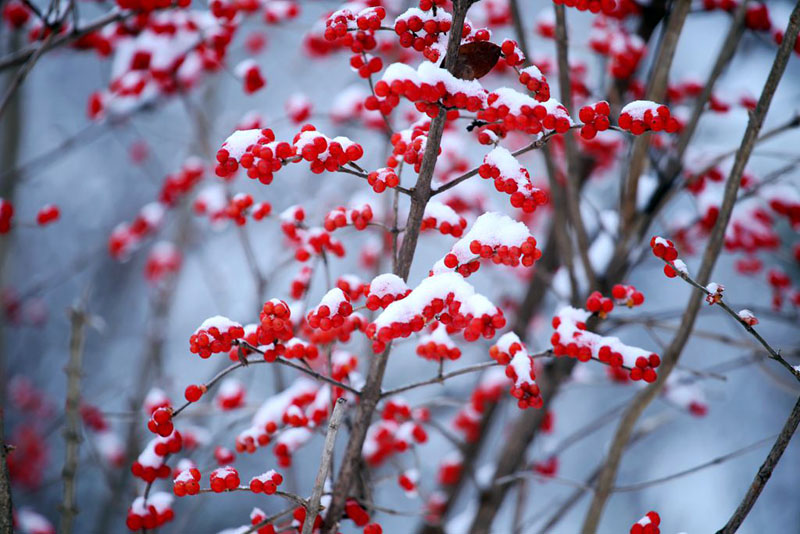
72,430
371,393
573,200
313,507
673,352
656,88
766,469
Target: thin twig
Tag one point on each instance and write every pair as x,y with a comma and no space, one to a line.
313,508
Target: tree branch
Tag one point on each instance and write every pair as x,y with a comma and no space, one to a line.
313,507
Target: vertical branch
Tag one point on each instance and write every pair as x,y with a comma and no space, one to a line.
642,400
656,88
324,466
72,431
764,472
573,196
371,393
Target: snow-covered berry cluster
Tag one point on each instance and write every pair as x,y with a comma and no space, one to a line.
216,334
275,323
512,179
256,151
647,524
511,352
385,289
665,249
224,478
533,79
408,146
266,483
125,237
150,512
627,294
187,482
442,217
398,429
331,311
340,217
572,339
444,297
422,30
324,153
640,116
354,29
250,73
594,118
438,346
597,303
150,464
160,421
47,214
383,178
492,236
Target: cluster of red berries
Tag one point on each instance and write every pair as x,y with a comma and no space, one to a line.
340,217
266,483
342,333
312,241
595,119
533,79
276,322
438,346
647,525
160,421
331,311
515,111
297,349
16,14
325,154
150,464
442,217
525,254
187,482
385,289
298,108
256,151
382,178
627,294
394,433
224,478
597,303
512,53
641,115
301,282
450,470
151,512
366,65
125,237
420,29
352,285
6,214
512,179
215,335
48,214
756,18
665,249
607,7
788,207
445,297
572,339
511,352
355,31
409,146
224,455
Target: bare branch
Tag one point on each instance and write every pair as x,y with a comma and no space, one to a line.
313,507
72,430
